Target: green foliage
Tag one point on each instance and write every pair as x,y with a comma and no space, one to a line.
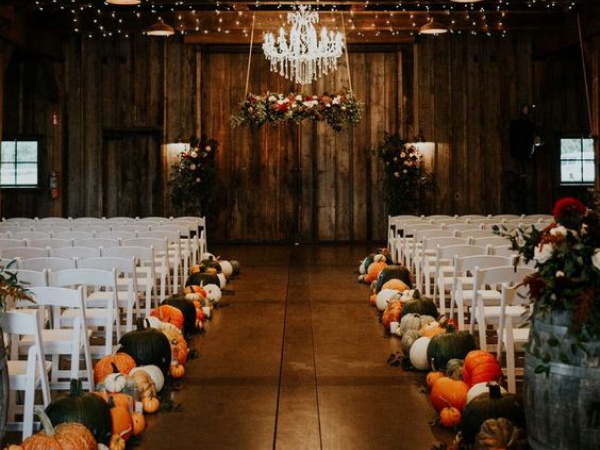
10,286
192,178
405,177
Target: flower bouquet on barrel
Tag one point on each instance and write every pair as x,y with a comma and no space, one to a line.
192,178
562,360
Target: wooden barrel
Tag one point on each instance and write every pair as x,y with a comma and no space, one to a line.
3,388
562,387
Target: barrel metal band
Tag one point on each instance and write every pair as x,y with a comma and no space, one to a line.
557,330
566,370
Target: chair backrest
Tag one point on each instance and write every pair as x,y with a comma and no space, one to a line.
49,243
9,263
438,216
30,278
514,295
444,241
411,228
19,220
54,220
137,227
506,217
12,243
155,219
503,250
58,298
120,220
120,264
31,235
172,236
489,240
159,244
49,228
90,229
96,242
24,252
145,254
86,220
50,263
74,234
116,234
26,322
460,251
499,275
183,229
473,216
475,233
421,235
446,222
464,227
470,263
75,252
84,277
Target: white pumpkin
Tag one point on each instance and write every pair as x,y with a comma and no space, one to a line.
207,256
418,353
154,372
408,295
379,258
480,388
386,296
213,293
222,280
115,382
155,322
226,268
362,269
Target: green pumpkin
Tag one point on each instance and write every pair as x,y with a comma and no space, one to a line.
414,322
420,305
188,310
447,346
454,368
85,408
211,263
147,346
202,279
236,267
491,405
500,434
368,261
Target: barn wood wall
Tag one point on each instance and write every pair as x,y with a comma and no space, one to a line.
122,99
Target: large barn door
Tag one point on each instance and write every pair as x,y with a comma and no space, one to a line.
132,175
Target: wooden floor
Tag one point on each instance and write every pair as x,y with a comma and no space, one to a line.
295,359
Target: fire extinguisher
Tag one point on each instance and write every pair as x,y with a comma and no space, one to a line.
54,189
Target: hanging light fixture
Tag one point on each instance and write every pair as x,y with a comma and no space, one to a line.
160,29
433,27
305,57
124,2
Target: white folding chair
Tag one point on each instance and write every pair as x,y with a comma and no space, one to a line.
461,295
48,243
12,243
31,235
119,220
409,242
175,259
63,338
428,259
162,264
75,252
475,233
486,295
25,375
489,240
54,221
50,263
97,242
145,273
116,234
127,286
100,314
72,235
513,328
24,252
86,221
417,249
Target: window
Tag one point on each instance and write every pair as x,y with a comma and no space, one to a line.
19,163
577,161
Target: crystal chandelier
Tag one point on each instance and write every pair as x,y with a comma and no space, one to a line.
304,58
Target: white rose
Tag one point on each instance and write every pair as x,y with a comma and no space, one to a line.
396,174
559,274
558,231
543,253
298,98
272,98
208,149
596,259
194,155
192,166
335,101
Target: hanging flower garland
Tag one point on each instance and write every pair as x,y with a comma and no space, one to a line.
334,109
192,178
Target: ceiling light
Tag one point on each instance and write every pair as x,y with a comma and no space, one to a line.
160,29
433,27
124,2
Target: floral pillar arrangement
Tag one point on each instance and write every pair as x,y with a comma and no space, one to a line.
562,360
405,176
192,178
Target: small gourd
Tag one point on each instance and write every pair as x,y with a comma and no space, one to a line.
139,423
500,434
117,442
450,417
408,339
151,404
115,382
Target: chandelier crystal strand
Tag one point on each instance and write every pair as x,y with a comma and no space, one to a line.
305,57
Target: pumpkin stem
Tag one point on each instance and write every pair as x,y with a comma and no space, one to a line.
494,389
139,324
111,401
45,420
114,367
75,387
445,401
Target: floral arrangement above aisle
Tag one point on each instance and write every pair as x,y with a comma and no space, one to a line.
334,109
567,257
192,178
405,176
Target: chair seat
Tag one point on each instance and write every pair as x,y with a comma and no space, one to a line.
95,316
55,341
493,312
520,335
487,295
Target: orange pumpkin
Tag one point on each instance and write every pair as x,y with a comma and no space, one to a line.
481,367
391,314
432,377
139,423
117,442
395,284
119,399
68,435
449,392
373,271
373,300
450,417
431,329
118,362
150,404
179,347
169,314
122,424
177,370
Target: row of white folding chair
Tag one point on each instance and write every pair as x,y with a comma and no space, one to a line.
28,375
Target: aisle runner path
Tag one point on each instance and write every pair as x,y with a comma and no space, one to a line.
295,360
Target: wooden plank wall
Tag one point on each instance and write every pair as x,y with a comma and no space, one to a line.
121,99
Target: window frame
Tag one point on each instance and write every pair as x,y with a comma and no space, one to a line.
594,161
40,151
